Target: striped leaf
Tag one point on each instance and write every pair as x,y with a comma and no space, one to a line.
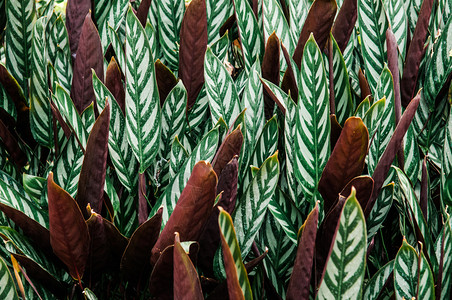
379,211
377,282
178,156
446,163
142,98
250,36
7,103
252,206
342,92
444,10
220,47
363,107
406,272
7,287
117,47
374,115
34,186
173,118
231,252
298,11
125,163
67,109
312,135
443,247
153,39
373,25
88,117
21,16
63,68
221,92
218,11
285,213
205,150
40,112
344,272
440,66
198,114
170,14
412,163
399,24
109,13
426,286
57,39
127,219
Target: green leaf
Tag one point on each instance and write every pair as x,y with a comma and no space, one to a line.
399,24
117,47
312,136
142,98
7,103
88,117
221,92
34,186
373,116
379,211
178,156
373,24
377,282
426,286
298,11
7,287
344,272
443,247
89,294
220,47
406,272
153,39
286,214
218,11
170,13
109,13
412,163
362,108
250,211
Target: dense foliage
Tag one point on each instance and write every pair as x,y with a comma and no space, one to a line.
239,149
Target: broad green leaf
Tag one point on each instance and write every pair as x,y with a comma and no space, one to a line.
142,98
34,186
373,24
312,135
59,52
373,116
285,213
399,24
170,14
362,108
178,156
252,206
344,272
153,39
250,35
220,47
199,113
412,163
7,287
117,47
377,282
379,211
109,13
21,16
426,286
41,120
223,98
218,11
298,11
406,272
443,248
125,163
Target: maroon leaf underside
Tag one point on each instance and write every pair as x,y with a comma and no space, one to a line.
92,176
161,282
345,23
89,56
336,130
289,82
186,281
135,260
76,11
166,80
270,70
113,81
346,161
364,186
193,45
384,164
142,200
142,12
69,235
57,116
192,209
363,85
230,147
12,146
300,279
319,22
415,53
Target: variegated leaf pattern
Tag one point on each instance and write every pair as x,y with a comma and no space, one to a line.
116,44
220,47
35,187
379,211
223,98
406,272
399,24
173,118
252,206
363,108
312,135
385,88
7,287
205,150
13,195
250,35
377,282
142,99
125,163
127,220
40,112
67,109
178,156
153,39
109,13
412,164
63,68
198,114
342,91
218,11
298,11
21,16
7,103
88,117
170,13
426,286
344,272
374,115
443,247
444,10
446,161
57,39
228,235
373,25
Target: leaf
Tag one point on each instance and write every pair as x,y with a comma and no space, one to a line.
109,13
380,211
237,277
298,11
426,286
76,11
346,160
21,15
92,176
114,84
142,101
373,24
344,272
271,70
229,148
34,187
363,107
192,209
117,46
166,80
161,282
374,115
300,279
193,44
170,14
40,112
89,294
221,92
178,156
68,232
318,23
7,288
218,12
377,283
312,136
412,161
443,287
251,208
399,23
345,23
250,37
406,272
185,276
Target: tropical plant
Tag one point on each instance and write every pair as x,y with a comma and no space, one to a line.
214,149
